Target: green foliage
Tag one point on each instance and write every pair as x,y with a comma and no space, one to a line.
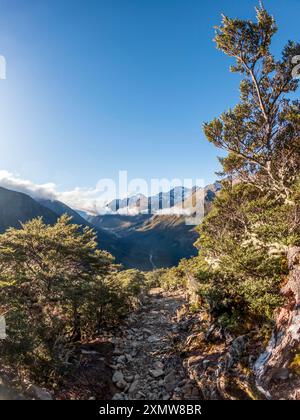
256,217
172,279
261,133
254,220
58,289
152,278
243,241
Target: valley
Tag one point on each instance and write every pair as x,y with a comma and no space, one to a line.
142,241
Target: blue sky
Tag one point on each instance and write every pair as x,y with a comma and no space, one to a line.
98,86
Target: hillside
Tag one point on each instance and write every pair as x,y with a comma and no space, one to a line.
149,241
157,241
142,241
60,208
17,207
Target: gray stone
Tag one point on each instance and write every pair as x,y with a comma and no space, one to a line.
170,382
92,353
158,365
117,376
156,373
118,397
282,374
129,357
133,387
121,359
147,331
153,339
122,384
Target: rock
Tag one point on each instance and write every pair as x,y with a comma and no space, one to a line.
147,331
38,393
129,378
121,359
141,394
238,346
92,353
153,339
129,357
156,373
113,367
170,382
133,387
117,376
118,397
158,365
122,384
166,397
195,392
282,374
187,390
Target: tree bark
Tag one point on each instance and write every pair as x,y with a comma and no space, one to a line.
285,339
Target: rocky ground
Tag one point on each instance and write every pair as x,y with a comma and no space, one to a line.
163,351
146,363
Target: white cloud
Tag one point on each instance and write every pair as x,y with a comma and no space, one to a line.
14,182
90,200
176,211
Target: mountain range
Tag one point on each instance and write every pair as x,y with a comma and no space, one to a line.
141,203
143,241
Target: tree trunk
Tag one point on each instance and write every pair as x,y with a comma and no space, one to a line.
285,339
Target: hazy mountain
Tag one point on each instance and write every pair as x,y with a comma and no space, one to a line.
141,241
16,207
150,241
60,208
83,214
201,198
153,204
120,225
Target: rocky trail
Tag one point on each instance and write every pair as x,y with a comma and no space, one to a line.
162,351
146,360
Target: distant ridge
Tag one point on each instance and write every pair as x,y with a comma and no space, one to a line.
140,241
16,207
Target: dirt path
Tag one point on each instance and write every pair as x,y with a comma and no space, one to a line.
146,362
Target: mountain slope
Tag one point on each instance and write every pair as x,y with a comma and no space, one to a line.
17,207
60,208
159,201
149,241
160,240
